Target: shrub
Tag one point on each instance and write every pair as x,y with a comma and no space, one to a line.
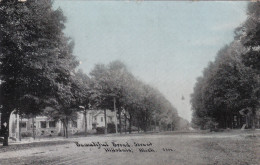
211,125
111,128
26,134
100,130
134,128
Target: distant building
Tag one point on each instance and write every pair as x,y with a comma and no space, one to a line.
98,119
44,126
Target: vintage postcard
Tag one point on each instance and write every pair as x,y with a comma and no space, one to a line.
129,82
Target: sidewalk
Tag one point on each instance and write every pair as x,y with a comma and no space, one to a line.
28,140
75,137
31,140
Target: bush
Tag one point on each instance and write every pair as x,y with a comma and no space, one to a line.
111,128
26,134
100,130
134,128
211,125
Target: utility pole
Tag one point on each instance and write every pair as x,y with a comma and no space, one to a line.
85,118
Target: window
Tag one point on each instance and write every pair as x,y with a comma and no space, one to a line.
95,118
52,124
74,124
101,119
43,124
22,124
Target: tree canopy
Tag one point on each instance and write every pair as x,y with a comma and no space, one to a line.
230,83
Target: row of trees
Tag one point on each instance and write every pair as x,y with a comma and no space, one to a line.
141,103
39,74
230,86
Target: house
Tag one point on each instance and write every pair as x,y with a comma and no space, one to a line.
99,120
39,125
44,126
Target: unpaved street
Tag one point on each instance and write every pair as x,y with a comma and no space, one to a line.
218,148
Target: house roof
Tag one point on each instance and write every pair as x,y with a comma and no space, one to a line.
97,112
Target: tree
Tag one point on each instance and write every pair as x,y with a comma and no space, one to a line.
35,56
249,35
137,100
225,88
81,89
100,91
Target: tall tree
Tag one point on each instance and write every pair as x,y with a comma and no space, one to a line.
36,57
81,89
225,89
249,35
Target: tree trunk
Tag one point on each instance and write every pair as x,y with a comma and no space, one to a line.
253,121
226,122
138,127
105,116
231,120
63,126
239,122
5,142
66,131
145,123
115,113
33,128
258,123
17,127
125,122
130,123
5,117
150,125
155,123
120,122
85,121
20,138
159,126
67,125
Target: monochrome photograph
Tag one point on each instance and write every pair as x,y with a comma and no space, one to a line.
129,82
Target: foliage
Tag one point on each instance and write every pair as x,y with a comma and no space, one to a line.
111,128
39,77
231,82
139,101
100,130
36,60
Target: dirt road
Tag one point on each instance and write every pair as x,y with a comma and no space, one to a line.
156,149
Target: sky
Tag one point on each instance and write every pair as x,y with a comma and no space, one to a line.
166,44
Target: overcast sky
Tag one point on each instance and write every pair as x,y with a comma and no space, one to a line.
166,44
